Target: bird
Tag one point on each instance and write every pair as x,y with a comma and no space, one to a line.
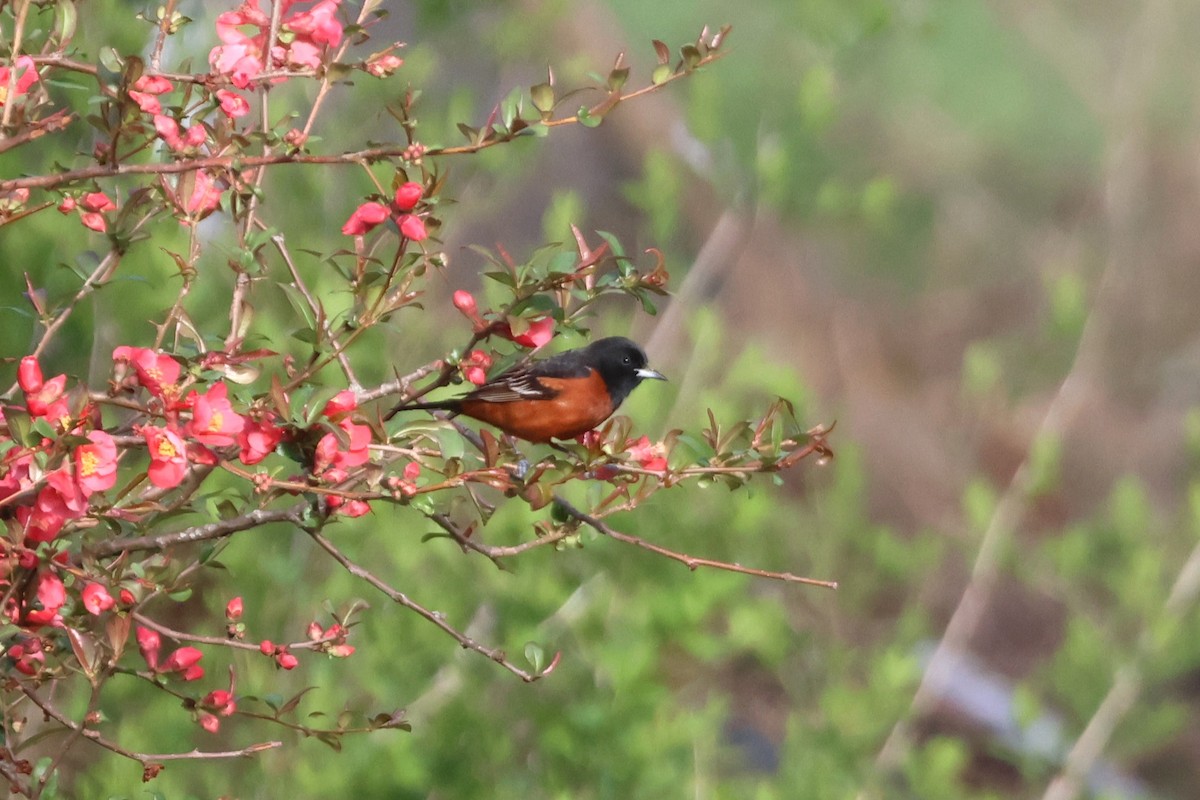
560,397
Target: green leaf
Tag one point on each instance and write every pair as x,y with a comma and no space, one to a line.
662,73
535,655
691,55
543,98
617,78
587,120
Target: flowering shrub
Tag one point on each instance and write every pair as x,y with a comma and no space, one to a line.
91,478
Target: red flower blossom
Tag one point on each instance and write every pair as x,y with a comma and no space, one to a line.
341,403
649,456
150,645
158,372
217,703
153,84
96,463
383,65
364,218
413,227
214,422
96,599
29,374
407,196
355,508
28,75
145,92
41,401
168,456
98,201
51,596
319,25
27,655
204,198
233,609
168,129
475,366
258,440
185,662
233,104
536,333
331,454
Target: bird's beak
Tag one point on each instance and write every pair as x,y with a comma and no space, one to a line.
646,373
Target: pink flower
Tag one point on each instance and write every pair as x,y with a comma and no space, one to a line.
214,422
406,486
475,366
465,302
62,495
383,65
341,403
40,402
168,456
537,334
364,218
355,508
185,661
648,456
51,596
233,609
258,440
150,645
413,227
96,222
28,75
42,521
158,372
168,129
407,196
98,201
233,104
96,463
96,599
331,454
29,374
145,92
153,84
27,655
285,659
215,704
319,25
241,55
204,199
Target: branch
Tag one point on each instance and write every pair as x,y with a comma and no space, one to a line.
200,533
436,617
244,162
142,758
691,562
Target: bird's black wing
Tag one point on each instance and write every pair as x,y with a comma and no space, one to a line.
522,382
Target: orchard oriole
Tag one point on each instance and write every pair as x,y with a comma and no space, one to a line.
560,397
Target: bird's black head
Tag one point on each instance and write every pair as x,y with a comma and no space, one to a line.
621,363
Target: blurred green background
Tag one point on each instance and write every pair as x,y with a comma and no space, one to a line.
965,231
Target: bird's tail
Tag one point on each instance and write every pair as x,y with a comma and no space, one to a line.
436,405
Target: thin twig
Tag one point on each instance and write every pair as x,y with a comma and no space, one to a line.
436,617
200,533
142,758
691,562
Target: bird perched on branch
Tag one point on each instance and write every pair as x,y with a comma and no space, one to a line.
559,397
